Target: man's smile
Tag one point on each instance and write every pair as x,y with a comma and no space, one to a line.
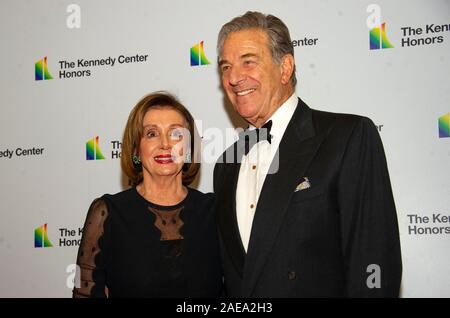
245,92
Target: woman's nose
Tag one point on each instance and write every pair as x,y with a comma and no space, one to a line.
165,141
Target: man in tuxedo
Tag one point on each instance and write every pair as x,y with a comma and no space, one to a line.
304,202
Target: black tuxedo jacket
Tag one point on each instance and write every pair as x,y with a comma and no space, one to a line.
337,238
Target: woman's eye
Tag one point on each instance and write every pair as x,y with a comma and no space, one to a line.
151,133
176,134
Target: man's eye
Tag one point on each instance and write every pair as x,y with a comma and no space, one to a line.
248,62
225,68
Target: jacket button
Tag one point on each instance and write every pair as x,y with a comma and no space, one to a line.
292,275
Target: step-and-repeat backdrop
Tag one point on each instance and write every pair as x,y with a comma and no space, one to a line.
74,69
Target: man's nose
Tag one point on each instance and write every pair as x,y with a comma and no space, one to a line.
237,76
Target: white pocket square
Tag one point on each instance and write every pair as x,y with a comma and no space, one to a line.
305,184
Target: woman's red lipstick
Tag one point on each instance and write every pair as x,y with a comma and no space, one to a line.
164,159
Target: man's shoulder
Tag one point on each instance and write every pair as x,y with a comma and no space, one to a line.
324,121
336,118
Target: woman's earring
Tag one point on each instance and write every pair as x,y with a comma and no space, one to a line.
136,160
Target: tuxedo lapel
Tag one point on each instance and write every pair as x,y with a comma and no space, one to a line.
226,214
296,150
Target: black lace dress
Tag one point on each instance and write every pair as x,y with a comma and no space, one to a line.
133,248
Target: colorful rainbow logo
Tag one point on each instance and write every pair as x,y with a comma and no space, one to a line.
198,55
93,151
444,126
41,70
41,237
379,40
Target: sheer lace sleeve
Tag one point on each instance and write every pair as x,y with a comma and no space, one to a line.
92,253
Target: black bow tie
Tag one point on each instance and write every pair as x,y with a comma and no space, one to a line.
249,138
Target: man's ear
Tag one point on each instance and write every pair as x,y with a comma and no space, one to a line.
287,67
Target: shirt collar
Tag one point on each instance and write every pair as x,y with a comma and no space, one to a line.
282,116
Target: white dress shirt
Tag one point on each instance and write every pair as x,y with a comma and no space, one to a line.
255,166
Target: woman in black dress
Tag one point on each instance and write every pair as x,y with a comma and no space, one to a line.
157,239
